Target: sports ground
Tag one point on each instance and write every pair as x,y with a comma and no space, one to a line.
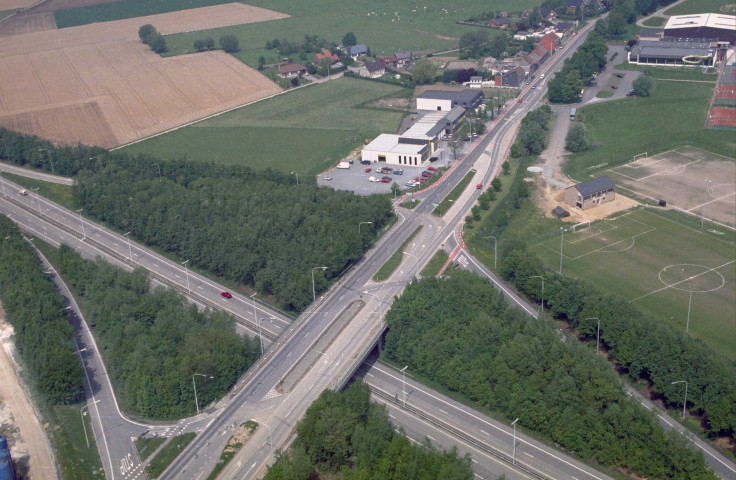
691,180
661,265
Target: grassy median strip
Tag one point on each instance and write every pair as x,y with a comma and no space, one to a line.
434,265
146,446
241,435
392,263
446,203
168,454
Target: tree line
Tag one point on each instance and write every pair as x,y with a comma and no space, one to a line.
154,341
43,336
460,332
270,233
345,436
589,59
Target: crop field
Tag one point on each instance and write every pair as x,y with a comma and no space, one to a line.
660,265
303,130
99,85
384,28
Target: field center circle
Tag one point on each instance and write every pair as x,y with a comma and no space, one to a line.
691,277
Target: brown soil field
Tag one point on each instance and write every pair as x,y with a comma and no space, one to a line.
98,84
15,4
27,23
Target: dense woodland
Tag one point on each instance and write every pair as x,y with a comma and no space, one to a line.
43,336
153,341
257,229
345,436
461,332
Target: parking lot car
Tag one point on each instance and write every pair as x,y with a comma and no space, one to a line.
367,170
614,87
365,162
433,159
374,179
226,295
426,174
398,171
431,169
385,180
411,183
479,186
327,177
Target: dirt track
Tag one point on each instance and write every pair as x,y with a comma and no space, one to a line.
28,441
98,84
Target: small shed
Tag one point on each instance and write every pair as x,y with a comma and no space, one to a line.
591,193
559,212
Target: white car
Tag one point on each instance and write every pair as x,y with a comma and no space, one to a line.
374,179
327,177
411,184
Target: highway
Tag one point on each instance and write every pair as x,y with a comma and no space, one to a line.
330,355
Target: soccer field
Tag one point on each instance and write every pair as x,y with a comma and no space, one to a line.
661,266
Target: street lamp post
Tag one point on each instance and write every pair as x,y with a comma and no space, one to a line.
196,403
539,276
159,171
363,223
597,332
689,304
314,292
297,177
270,440
702,210
416,269
255,315
380,311
403,387
513,455
38,199
495,254
332,383
84,235
186,273
130,250
81,414
684,404
562,238
3,182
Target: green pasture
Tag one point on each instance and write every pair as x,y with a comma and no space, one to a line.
702,6
673,116
303,130
384,28
638,254
654,22
671,73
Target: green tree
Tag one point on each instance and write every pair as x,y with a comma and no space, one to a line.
565,87
261,62
145,30
576,140
157,42
199,45
643,86
229,43
209,43
505,167
424,71
349,40
496,184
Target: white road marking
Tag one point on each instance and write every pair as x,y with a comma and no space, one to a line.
483,431
443,411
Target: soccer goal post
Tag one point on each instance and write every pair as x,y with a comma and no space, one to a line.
580,226
641,155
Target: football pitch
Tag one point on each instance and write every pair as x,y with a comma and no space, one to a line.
661,266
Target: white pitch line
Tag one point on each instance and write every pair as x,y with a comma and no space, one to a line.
684,280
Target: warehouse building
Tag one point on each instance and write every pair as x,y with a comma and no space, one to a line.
702,25
445,101
674,52
591,193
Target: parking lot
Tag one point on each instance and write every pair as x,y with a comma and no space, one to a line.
357,180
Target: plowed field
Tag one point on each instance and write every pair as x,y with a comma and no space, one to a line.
98,84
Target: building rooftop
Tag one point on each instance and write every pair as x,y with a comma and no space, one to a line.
676,49
650,32
594,186
388,142
466,95
374,66
713,20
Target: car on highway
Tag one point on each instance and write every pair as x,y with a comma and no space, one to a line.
226,294
368,170
520,100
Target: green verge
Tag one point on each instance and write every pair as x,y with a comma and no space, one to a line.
304,130
410,204
146,446
447,202
678,109
168,454
56,192
393,262
701,6
604,94
435,264
671,73
654,22
231,448
66,434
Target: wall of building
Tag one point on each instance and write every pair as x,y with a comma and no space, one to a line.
434,104
573,197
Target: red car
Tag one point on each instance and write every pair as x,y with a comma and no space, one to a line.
614,87
367,170
479,186
385,180
416,179
520,100
226,295
431,169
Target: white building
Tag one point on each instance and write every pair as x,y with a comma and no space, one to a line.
412,147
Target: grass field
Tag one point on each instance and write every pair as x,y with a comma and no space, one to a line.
384,28
654,22
654,261
304,130
67,436
702,6
624,128
671,73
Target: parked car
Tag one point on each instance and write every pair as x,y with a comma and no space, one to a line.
431,169
411,183
365,162
327,177
416,179
426,174
373,179
385,180
614,87
368,170
226,294
398,171
433,159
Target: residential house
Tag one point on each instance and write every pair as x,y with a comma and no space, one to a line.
402,59
512,78
572,6
358,51
550,41
548,14
564,28
521,35
372,69
476,81
500,22
388,61
325,54
291,70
